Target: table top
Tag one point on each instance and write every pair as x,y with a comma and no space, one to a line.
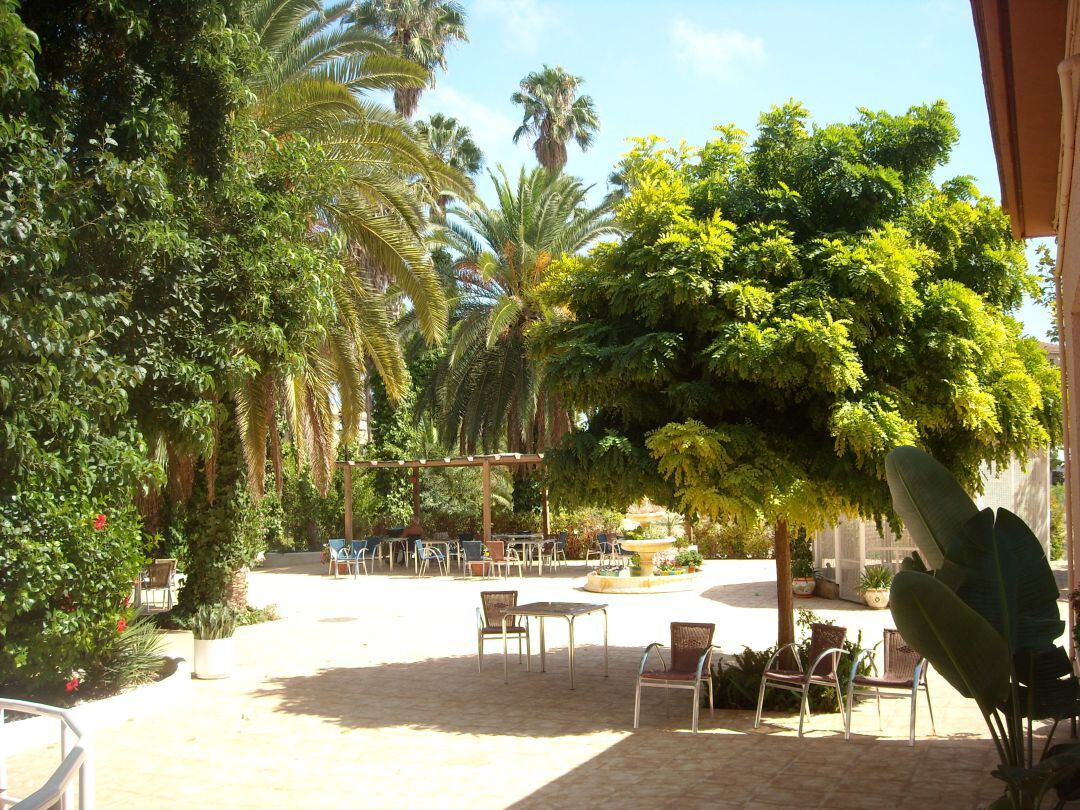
554,609
522,536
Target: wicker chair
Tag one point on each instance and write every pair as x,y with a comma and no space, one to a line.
489,624
161,576
826,647
904,671
691,666
504,557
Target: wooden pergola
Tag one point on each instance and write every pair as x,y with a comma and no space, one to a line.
486,462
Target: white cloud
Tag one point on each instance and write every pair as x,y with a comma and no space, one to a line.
524,22
492,130
715,54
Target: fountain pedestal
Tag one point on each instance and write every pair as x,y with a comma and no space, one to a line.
647,550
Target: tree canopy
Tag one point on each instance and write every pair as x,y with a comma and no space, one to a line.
553,113
782,313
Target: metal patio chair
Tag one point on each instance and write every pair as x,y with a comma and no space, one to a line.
599,548
504,557
904,671
826,647
691,666
494,605
340,552
161,576
555,549
472,551
425,554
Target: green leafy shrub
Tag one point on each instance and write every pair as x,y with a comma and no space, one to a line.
801,568
1057,521
215,621
136,655
257,615
729,539
582,526
688,557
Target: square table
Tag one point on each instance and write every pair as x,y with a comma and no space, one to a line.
555,610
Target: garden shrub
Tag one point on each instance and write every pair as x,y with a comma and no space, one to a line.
582,525
728,539
136,654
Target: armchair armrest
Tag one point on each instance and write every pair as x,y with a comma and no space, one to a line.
479,620
862,656
656,646
809,672
705,658
795,651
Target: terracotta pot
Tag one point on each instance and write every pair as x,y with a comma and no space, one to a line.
876,598
803,586
476,569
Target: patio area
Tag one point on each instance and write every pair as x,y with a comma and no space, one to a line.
366,694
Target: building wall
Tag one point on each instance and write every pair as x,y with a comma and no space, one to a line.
841,552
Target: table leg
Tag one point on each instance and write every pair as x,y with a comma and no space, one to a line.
571,653
506,671
543,650
605,644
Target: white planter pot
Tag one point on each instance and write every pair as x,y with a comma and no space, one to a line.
214,658
877,598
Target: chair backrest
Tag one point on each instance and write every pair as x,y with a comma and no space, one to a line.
159,573
822,637
474,550
337,545
372,545
900,659
495,604
466,536
605,546
561,540
497,550
689,641
356,546
416,543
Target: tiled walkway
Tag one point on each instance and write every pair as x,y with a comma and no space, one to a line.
367,695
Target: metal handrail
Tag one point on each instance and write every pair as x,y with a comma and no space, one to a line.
75,758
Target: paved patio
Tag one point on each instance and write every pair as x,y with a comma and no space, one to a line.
366,694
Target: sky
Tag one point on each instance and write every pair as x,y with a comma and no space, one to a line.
677,69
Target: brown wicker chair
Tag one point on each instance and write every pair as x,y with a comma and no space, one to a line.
904,671
489,624
826,647
160,575
691,666
504,557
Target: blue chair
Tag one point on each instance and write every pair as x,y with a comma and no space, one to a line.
556,549
425,554
340,553
473,551
364,552
598,548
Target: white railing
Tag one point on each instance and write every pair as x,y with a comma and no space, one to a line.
75,760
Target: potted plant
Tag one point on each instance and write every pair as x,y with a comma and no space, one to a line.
213,627
691,559
802,578
874,585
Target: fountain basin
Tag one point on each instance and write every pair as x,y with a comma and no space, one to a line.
651,584
646,550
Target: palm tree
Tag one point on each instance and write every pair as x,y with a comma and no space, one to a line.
451,142
421,30
488,389
313,85
555,113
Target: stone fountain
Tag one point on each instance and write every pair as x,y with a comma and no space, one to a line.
648,581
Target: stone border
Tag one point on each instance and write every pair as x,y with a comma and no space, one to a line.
276,559
654,584
38,732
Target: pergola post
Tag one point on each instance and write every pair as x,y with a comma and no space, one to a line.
487,502
347,485
416,496
545,513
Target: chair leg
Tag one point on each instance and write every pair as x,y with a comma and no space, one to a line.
914,704
697,707
637,703
760,701
528,646
804,707
847,715
930,707
877,692
479,652
839,696
709,682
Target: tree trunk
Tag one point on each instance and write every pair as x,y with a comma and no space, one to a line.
785,608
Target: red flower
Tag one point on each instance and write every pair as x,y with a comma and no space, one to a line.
73,684
99,523
127,600
121,625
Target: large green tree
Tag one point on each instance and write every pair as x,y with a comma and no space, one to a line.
783,313
554,113
452,143
487,391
